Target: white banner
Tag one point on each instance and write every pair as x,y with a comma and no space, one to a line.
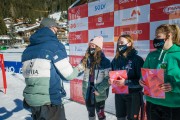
78,24
135,15
106,33
143,47
100,7
154,25
78,49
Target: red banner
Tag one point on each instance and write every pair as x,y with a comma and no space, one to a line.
78,37
78,12
101,21
3,83
137,31
75,60
169,9
76,91
153,78
108,49
124,4
115,76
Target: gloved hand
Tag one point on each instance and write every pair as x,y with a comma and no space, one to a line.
80,67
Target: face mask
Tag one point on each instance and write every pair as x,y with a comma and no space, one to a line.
91,51
158,43
122,48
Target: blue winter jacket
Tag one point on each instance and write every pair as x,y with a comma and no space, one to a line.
44,60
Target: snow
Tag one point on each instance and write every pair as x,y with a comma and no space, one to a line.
55,16
27,28
11,105
12,54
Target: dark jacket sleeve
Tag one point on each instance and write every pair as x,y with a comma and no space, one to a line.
138,66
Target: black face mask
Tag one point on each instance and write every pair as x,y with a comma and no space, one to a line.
122,48
158,43
91,51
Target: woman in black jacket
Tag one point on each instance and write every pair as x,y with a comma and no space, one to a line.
128,105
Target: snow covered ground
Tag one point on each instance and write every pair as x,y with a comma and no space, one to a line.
11,103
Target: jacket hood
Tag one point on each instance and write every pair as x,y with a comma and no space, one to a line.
42,35
174,48
132,53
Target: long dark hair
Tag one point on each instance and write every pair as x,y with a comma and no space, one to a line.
97,58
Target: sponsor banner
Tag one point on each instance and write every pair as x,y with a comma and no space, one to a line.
78,12
106,33
135,15
78,49
154,25
100,7
137,31
76,91
108,49
155,1
124,4
101,21
15,67
78,37
165,10
142,47
78,25
75,60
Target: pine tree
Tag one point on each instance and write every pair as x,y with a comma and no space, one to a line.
3,28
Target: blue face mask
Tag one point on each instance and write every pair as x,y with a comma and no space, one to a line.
122,48
158,43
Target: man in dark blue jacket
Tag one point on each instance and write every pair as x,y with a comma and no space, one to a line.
44,62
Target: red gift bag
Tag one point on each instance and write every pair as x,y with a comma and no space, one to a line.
114,76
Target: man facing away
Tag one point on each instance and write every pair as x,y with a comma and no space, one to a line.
44,63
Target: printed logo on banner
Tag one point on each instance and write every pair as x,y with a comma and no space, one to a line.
135,12
106,33
101,21
105,6
143,47
137,31
78,25
139,14
15,67
78,37
124,4
172,9
78,49
78,12
165,10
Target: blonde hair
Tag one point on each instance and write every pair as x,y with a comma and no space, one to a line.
97,58
129,39
170,28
